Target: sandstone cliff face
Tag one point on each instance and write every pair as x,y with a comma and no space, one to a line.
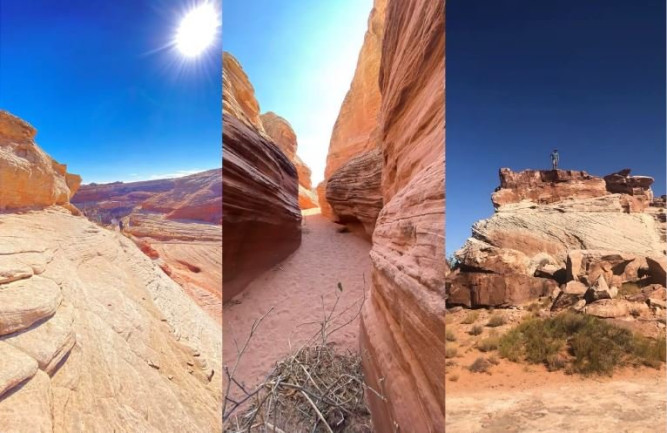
93,335
280,131
403,320
177,222
261,218
355,131
542,217
28,176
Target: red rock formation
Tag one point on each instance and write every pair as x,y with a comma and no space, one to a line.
355,130
282,134
354,191
261,218
28,176
402,330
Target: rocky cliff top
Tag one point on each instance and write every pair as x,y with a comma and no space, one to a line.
28,176
551,186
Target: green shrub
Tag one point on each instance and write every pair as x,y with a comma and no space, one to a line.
449,335
579,343
450,351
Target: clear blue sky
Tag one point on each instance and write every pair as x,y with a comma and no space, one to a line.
526,76
300,56
106,94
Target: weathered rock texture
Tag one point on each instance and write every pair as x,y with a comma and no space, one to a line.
282,134
552,227
261,218
94,336
356,129
176,222
28,176
403,319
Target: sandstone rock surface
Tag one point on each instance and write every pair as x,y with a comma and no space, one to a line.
356,130
28,176
261,218
403,319
177,222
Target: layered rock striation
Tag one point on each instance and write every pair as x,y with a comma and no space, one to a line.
261,218
93,335
403,318
28,176
176,222
356,129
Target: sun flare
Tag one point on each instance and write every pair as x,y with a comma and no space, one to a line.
197,30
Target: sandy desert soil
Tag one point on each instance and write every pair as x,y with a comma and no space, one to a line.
514,397
295,289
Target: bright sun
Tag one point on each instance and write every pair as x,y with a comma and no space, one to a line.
197,30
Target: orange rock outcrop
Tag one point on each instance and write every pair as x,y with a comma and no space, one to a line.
28,176
355,131
261,215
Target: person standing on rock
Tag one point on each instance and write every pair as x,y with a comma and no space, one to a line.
554,159
120,225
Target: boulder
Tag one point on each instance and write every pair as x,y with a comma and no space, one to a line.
481,289
588,265
600,290
613,308
657,266
29,177
575,288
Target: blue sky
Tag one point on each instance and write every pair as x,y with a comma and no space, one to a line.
300,57
107,95
525,76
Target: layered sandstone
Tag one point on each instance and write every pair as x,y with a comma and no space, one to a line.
403,319
28,176
282,134
93,335
177,222
261,219
355,131
550,228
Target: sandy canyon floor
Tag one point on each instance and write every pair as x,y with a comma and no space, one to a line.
513,397
296,290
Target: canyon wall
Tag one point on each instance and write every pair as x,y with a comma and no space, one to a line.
356,133
261,218
176,222
93,335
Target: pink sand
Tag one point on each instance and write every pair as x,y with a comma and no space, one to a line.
294,289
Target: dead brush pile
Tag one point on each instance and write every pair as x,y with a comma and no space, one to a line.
315,389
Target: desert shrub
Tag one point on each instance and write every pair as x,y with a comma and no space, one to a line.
453,377
496,320
470,318
450,351
476,330
580,343
629,289
488,344
493,359
481,365
449,335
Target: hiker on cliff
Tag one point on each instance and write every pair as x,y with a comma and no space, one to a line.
120,225
554,159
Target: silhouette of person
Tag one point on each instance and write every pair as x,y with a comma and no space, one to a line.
554,159
120,225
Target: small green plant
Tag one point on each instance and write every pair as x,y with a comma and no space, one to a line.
488,344
476,330
450,351
496,320
449,335
579,343
481,365
629,289
470,318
